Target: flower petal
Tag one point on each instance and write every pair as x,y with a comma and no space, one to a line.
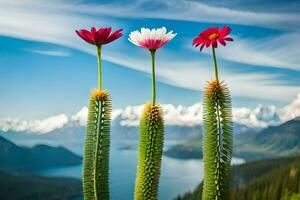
214,29
135,37
212,36
86,36
228,39
105,34
215,43
222,42
115,35
207,43
151,39
133,42
225,31
170,35
145,33
202,46
197,41
100,36
93,30
152,34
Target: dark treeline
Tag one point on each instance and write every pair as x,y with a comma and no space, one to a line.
275,179
34,187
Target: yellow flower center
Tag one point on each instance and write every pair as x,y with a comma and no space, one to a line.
99,94
213,36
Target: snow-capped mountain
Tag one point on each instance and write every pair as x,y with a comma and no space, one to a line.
182,122
189,116
185,116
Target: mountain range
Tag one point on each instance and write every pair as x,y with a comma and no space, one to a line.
187,116
71,136
15,158
181,123
274,141
282,140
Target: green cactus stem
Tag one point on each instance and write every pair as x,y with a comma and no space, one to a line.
150,153
96,148
97,143
217,143
150,146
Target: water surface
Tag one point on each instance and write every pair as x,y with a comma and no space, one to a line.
177,176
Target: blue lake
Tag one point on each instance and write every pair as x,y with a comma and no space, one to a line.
177,176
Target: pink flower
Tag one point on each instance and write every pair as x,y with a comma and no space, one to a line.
151,39
212,36
100,37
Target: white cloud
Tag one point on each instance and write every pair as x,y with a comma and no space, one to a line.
57,53
259,117
35,126
81,116
183,116
49,124
190,116
292,110
130,115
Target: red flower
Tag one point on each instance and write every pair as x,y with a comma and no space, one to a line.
212,36
100,37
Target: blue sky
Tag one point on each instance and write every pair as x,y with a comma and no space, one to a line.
45,69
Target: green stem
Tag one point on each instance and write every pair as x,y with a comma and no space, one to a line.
99,68
215,63
153,77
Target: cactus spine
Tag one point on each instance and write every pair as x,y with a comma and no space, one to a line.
97,143
150,147
217,144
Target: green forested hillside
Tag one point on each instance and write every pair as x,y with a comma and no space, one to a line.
283,140
188,150
33,187
275,179
22,159
17,184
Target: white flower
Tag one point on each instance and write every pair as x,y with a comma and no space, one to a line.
151,39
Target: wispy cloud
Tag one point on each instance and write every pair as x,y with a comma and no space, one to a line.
56,22
174,72
53,23
193,11
57,53
275,51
